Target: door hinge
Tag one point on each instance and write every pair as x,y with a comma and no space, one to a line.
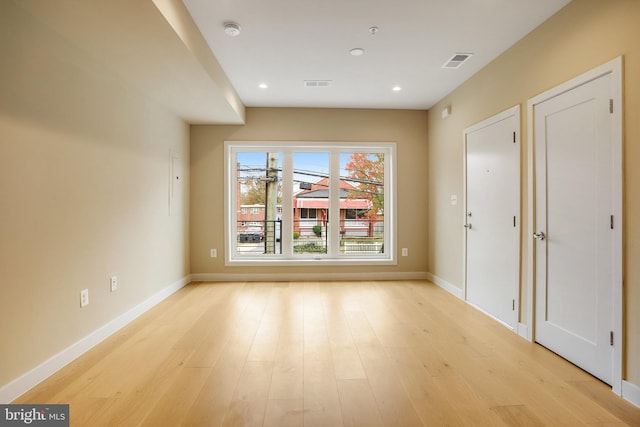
611,106
513,304
611,338
514,221
611,222
514,137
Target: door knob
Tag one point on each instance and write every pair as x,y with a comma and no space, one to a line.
539,235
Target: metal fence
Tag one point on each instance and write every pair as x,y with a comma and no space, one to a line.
356,237
258,237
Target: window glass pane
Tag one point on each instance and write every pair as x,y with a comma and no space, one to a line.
361,203
258,195
310,202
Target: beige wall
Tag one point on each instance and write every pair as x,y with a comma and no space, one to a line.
84,184
581,36
406,128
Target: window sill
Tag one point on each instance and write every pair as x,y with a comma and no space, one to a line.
308,262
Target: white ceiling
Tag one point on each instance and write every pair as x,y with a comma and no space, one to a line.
190,66
284,42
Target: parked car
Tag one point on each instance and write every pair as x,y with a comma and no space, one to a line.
251,235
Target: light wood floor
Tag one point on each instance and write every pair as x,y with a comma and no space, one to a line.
325,354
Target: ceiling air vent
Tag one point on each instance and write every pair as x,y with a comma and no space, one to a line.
318,83
457,60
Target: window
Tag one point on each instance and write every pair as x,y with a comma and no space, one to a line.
308,213
338,199
355,213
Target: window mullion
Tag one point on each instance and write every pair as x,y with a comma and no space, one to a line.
232,195
287,204
333,231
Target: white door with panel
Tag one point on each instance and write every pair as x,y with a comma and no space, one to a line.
575,189
492,215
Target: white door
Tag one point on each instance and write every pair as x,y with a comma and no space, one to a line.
492,209
574,249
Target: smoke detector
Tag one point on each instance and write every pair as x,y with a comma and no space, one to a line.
231,29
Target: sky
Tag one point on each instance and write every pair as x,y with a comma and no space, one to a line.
302,161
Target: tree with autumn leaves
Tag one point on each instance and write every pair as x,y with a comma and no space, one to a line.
254,191
366,173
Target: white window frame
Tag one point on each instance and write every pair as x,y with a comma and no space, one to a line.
333,256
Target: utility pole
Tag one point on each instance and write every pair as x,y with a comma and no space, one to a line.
270,202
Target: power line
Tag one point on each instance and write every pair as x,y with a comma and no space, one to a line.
310,173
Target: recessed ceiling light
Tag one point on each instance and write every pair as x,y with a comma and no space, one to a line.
263,85
231,29
397,89
357,51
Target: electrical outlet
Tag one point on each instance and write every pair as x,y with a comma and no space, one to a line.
213,253
84,297
405,251
113,282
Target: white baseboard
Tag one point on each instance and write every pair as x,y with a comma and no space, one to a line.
631,392
24,383
449,287
305,277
